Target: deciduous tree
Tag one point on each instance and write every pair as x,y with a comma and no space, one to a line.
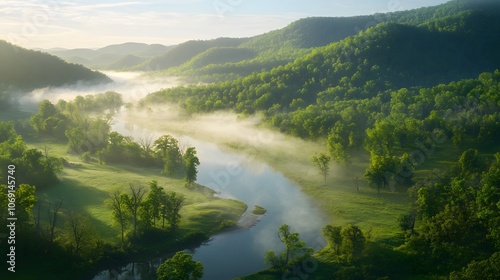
333,237
295,250
191,164
322,161
119,210
81,233
180,267
353,242
133,202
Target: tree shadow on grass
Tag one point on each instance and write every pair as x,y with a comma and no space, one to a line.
81,198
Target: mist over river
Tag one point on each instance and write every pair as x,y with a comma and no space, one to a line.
240,252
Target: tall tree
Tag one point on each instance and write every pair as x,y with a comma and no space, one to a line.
333,237
180,267
322,161
381,171
295,250
53,211
191,164
25,201
119,211
81,233
154,197
353,242
147,144
173,203
133,202
168,149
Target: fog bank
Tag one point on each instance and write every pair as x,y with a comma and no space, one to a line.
131,85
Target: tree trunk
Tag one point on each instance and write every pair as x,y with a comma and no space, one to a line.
123,229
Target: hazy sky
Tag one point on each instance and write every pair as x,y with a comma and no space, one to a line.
92,24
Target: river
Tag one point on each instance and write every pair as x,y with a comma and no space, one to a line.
241,252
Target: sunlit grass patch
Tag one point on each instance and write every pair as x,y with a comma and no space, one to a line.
85,187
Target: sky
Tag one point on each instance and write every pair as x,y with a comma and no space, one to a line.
93,24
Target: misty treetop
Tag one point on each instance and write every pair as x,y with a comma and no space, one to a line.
85,123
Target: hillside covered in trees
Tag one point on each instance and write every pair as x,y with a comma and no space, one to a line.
26,69
423,81
230,58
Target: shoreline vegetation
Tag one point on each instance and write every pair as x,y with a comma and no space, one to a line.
259,210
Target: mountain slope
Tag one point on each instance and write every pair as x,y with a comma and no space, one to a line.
125,62
186,51
137,49
388,56
282,46
27,69
111,57
271,49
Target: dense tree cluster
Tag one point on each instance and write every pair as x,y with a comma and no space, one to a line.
33,166
457,219
141,210
357,68
227,59
85,124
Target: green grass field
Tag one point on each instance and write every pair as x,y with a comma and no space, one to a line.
86,186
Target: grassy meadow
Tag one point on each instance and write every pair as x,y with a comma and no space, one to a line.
85,187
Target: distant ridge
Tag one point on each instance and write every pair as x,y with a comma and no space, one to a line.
111,57
223,59
28,69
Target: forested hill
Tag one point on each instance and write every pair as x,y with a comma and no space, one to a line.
26,69
279,47
229,58
387,56
186,51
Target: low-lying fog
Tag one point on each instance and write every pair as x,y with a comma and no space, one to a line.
131,85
